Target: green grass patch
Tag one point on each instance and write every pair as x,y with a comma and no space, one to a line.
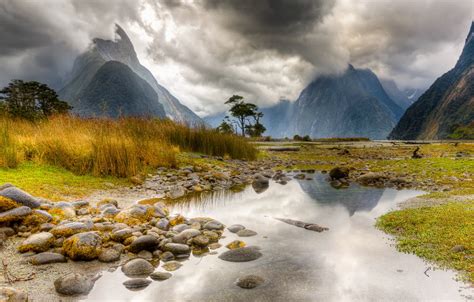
432,232
55,183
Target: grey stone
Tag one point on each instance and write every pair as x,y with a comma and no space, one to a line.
137,267
246,233
177,248
70,228
137,283
73,284
249,281
243,254
20,196
83,246
15,214
213,225
47,258
185,235
145,242
235,228
121,234
10,294
39,242
160,276
109,255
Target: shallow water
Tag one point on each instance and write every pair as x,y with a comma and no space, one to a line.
352,261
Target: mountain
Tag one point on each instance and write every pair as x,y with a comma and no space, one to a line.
121,50
413,94
398,96
446,105
352,104
276,119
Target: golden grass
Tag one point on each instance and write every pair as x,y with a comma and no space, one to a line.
104,147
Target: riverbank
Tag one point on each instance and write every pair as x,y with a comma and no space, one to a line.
445,171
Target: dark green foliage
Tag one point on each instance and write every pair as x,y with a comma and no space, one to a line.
463,132
31,100
244,113
305,138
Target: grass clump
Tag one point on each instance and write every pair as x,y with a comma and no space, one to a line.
103,147
443,234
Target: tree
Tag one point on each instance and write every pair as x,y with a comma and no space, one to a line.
244,113
31,100
226,126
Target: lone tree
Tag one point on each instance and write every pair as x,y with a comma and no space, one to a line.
31,100
246,117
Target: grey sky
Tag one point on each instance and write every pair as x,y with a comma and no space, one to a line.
203,51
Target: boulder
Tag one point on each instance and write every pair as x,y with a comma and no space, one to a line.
260,183
15,214
213,225
136,283
339,172
37,217
73,284
235,228
39,242
243,254
135,214
145,242
10,294
137,267
20,197
83,246
121,234
110,255
7,204
47,258
70,228
177,248
201,241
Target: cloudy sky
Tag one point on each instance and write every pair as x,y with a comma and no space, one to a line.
204,51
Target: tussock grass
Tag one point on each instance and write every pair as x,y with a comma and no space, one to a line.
104,147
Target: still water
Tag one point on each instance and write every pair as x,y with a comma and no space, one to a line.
352,261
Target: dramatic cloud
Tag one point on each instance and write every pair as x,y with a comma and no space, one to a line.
203,51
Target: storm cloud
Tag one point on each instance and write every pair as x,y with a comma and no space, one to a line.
203,51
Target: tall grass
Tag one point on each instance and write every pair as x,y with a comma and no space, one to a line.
123,148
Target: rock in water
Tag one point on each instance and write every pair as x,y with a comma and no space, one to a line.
39,242
301,224
20,196
177,248
137,283
47,258
250,281
146,242
10,294
338,173
160,276
109,255
137,267
83,246
73,284
235,228
172,265
243,254
246,233
260,183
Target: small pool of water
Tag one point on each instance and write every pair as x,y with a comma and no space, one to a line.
352,261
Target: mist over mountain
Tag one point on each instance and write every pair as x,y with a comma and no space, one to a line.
131,91
447,104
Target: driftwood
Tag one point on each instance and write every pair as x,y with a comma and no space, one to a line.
10,278
304,225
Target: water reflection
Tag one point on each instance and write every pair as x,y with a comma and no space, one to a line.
349,262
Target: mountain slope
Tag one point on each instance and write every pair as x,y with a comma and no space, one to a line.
121,50
114,90
398,96
448,103
351,104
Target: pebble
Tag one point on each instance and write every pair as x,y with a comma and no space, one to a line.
136,283
137,267
246,233
249,281
235,228
171,265
73,284
47,258
160,276
243,254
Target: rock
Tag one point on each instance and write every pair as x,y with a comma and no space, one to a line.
7,204
20,197
249,281
163,224
46,227
458,248
178,219
260,183
83,246
338,173
171,265
110,211
246,233
166,256
185,235
235,244
177,248
15,214
63,210
315,227
107,201
201,241
110,255
137,267
243,254
372,178
7,231
121,234
160,276
73,284
305,225
145,255
37,217
180,227
10,294
213,236
145,242
336,184
47,258
39,242
235,228
137,283
135,214
177,192
214,246
70,228
213,225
